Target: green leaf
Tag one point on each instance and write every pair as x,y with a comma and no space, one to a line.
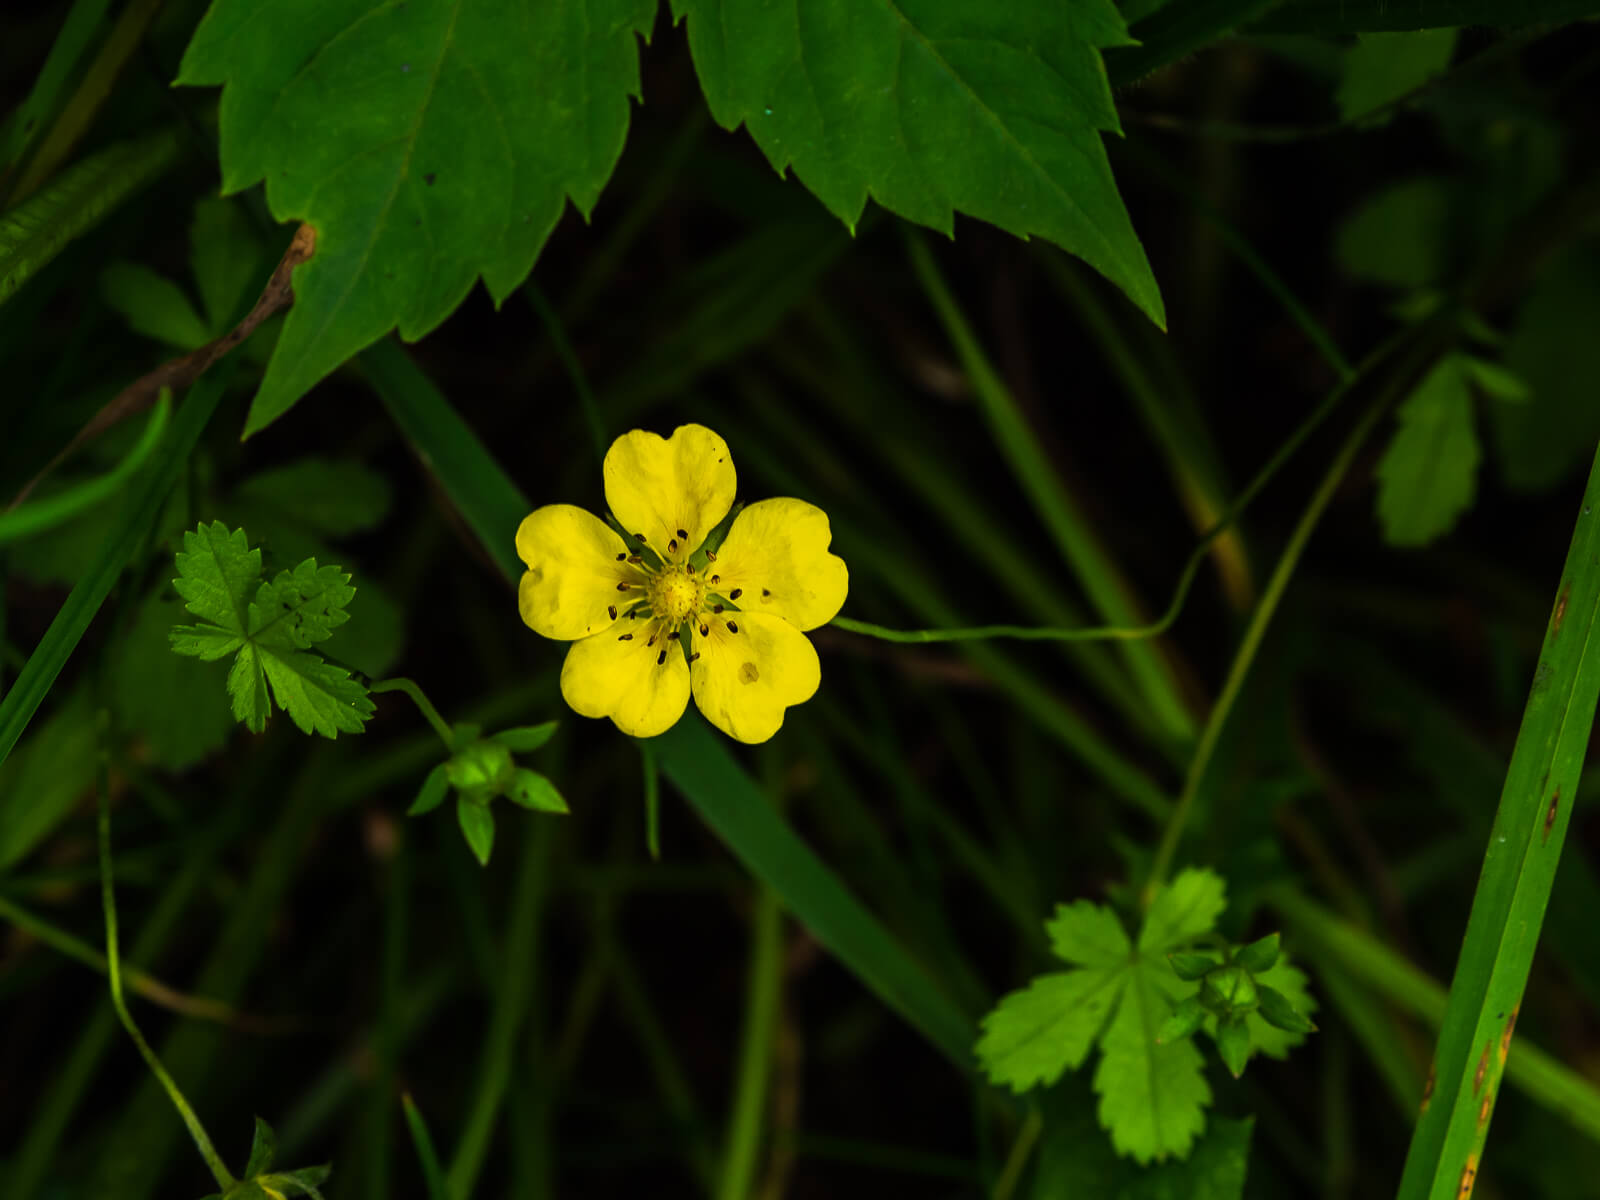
326,497
1398,236
1428,475
1233,1044
263,1145
477,826
462,131
1259,955
1088,934
223,252
1034,1035
1552,346
1289,982
1190,967
1496,382
1153,1095
153,305
432,792
1075,1161
74,202
994,111
532,790
1382,67
168,701
46,778
1277,1011
1185,909
1366,16
526,738
270,625
1185,1019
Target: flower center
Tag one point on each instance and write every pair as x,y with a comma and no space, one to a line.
675,595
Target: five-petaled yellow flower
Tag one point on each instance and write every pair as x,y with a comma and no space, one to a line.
653,620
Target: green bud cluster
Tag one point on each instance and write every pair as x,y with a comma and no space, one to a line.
1229,991
482,769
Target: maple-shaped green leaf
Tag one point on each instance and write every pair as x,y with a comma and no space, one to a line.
270,627
1122,992
1428,475
932,108
428,143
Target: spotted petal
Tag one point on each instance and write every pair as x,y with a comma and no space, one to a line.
744,680
629,681
570,587
657,486
776,556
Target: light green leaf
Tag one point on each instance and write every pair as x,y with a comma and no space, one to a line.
1075,1162
462,130
153,305
1183,910
1048,1027
1398,236
270,625
1153,1095
477,826
1428,475
1087,933
932,108
1382,67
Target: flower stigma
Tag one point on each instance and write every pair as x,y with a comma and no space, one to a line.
675,595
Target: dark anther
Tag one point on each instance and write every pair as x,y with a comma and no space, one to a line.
716,579
623,557
640,536
634,615
735,594
689,568
764,592
694,656
732,627
684,534
611,610
704,629
716,608
622,587
673,636
661,658
627,637
652,640
635,559
672,546
711,556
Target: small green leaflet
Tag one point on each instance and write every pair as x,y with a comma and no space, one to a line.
1152,1097
1428,475
270,627
932,107
1382,67
459,130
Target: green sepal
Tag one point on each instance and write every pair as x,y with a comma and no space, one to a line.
480,767
432,792
1190,967
532,790
1233,1044
262,1147
525,738
1259,955
1236,987
1276,1010
303,1182
719,534
477,826
635,544
1185,1019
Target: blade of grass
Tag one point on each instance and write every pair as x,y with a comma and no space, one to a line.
45,663
757,1044
1079,547
432,1176
34,232
1519,868
77,31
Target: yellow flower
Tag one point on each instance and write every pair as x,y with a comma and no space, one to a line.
663,613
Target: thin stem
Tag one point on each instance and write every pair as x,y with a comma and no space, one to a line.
1260,619
652,801
1017,1160
108,901
762,996
401,684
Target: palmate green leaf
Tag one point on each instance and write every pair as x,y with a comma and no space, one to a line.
462,129
1152,1089
153,305
269,625
1428,475
931,108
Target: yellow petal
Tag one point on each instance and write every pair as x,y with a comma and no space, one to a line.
657,486
627,680
743,681
776,556
570,587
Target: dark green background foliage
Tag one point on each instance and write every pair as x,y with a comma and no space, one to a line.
1176,229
